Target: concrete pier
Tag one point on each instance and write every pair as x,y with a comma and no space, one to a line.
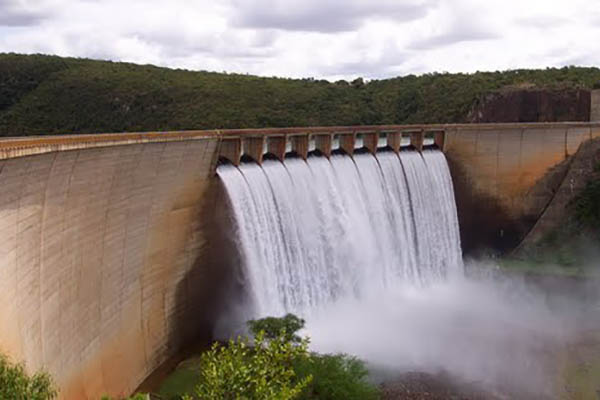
276,146
323,143
370,141
347,143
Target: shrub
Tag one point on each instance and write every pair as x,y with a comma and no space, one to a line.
587,205
278,366
16,384
260,372
274,327
335,377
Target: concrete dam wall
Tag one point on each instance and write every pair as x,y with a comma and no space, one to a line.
505,175
106,267
100,255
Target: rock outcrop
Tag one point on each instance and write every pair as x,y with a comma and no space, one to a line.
532,105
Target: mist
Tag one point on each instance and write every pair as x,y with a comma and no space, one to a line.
309,245
501,332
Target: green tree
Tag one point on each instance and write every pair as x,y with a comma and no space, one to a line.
260,372
41,95
332,376
274,327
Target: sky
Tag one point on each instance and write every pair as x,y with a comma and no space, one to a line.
324,39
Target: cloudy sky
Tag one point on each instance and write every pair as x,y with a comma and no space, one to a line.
329,39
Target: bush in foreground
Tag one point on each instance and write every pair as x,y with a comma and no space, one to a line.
16,384
260,372
335,377
279,366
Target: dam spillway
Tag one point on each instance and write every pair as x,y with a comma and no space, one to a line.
311,232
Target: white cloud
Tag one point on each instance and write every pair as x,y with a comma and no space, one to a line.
331,39
22,13
453,23
324,16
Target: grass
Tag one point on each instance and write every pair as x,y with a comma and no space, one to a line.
181,381
563,252
570,251
335,377
542,268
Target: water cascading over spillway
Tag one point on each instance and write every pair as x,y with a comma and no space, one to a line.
311,232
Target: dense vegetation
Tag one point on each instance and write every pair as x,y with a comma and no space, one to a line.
327,376
16,384
261,371
335,377
587,204
276,365
49,95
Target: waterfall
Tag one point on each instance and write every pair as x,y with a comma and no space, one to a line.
311,232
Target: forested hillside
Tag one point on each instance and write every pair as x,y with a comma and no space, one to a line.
49,95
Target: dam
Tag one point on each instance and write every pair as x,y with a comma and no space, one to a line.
108,256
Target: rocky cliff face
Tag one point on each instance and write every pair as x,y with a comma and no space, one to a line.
582,168
532,105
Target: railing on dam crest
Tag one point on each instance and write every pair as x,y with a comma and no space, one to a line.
236,144
302,141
